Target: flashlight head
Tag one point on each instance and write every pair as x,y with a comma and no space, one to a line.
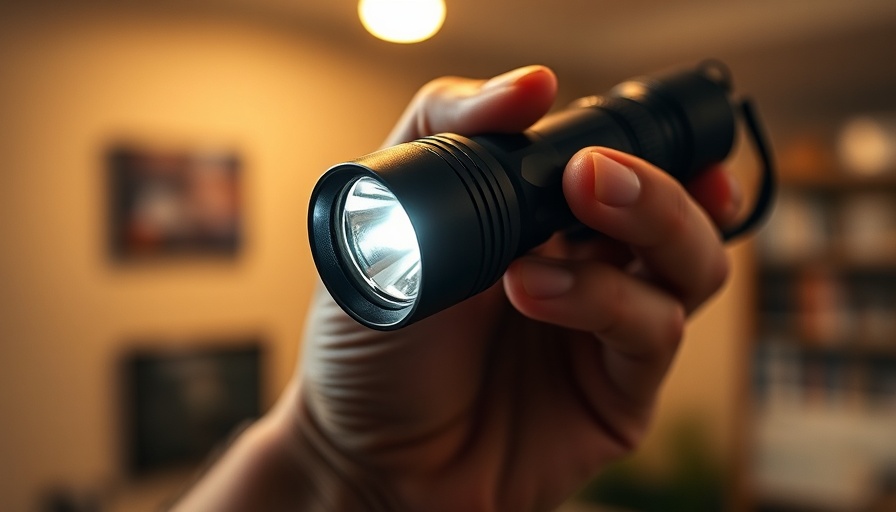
408,231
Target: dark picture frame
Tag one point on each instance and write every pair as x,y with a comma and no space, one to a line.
167,202
180,404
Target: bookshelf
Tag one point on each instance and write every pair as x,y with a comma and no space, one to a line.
823,368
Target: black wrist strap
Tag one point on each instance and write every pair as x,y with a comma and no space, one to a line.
767,185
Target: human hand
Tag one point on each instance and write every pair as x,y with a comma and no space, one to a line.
513,398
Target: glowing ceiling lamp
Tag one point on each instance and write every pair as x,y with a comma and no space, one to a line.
402,21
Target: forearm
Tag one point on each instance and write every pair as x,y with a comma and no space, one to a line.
277,465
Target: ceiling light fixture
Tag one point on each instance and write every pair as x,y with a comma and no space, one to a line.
402,21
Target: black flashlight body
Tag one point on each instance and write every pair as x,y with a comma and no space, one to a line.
477,203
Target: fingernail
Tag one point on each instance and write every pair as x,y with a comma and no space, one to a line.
510,78
614,183
544,280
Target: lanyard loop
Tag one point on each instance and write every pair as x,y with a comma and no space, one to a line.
767,186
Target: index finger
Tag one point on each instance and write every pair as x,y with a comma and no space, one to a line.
510,102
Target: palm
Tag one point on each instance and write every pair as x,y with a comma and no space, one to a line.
479,392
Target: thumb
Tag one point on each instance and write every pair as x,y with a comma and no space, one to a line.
510,102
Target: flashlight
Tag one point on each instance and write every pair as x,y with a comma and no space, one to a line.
405,232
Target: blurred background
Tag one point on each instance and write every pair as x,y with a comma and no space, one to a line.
156,161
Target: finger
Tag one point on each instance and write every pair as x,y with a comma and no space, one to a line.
639,324
510,102
636,203
719,194
582,243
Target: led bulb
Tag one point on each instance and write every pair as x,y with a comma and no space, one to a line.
402,21
378,239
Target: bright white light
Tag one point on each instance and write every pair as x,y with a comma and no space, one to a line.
379,241
394,234
402,21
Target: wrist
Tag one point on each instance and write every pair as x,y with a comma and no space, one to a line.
284,462
334,481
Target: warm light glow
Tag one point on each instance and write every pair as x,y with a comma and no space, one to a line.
402,21
867,144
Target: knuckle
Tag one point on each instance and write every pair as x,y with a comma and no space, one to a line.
667,334
675,327
714,277
720,269
438,90
435,86
431,99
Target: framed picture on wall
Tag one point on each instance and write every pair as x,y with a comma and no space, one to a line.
180,404
173,202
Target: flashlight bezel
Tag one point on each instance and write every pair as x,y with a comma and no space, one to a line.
344,279
467,233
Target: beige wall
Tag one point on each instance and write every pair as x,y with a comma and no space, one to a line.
71,83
